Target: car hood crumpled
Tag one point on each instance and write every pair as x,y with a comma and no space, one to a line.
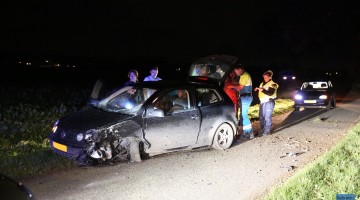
91,118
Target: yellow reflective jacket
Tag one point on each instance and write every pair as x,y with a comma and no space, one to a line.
269,92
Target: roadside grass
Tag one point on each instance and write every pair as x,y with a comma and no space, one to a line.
26,118
335,172
281,106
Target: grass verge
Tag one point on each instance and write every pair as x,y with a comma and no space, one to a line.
336,172
281,106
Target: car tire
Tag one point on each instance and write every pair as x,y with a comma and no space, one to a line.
328,106
224,137
134,150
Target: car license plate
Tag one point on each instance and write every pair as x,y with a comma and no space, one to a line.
309,101
61,147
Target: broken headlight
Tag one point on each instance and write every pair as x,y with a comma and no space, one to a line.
55,126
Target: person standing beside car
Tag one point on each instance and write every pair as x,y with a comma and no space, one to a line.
267,94
245,98
154,70
232,92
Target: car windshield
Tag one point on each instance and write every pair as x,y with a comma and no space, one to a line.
127,100
212,70
319,85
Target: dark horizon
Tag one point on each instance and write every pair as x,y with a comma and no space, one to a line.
301,35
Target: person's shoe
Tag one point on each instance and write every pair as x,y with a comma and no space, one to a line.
251,135
260,132
244,136
266,133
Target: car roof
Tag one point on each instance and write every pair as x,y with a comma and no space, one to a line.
217,59
316,79
191,81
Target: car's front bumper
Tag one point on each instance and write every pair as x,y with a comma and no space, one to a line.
77,154
318,103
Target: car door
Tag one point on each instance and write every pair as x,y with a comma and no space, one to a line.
178,127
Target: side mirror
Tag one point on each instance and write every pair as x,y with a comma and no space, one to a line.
154,112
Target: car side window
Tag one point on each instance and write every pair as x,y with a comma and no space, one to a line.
206,96
174,100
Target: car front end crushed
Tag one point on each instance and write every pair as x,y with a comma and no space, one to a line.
75,152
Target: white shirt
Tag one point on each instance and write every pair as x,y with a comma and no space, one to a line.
150,78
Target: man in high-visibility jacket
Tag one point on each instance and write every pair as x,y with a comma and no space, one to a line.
267,94
244,88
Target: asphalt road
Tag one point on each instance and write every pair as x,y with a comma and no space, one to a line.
245,171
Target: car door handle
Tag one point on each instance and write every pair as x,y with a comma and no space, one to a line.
194,116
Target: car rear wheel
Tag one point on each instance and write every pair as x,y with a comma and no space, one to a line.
223,137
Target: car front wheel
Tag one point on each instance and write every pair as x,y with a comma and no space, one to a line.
331,104
223,137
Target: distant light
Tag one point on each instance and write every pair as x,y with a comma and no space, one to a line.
293,78
46,61
57,65
73,65
284,77
28,63
178,69
20,62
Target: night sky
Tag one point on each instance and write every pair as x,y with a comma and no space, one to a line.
285,32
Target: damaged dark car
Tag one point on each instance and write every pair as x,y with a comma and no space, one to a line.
147,119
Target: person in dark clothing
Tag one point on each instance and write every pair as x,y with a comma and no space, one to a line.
133,77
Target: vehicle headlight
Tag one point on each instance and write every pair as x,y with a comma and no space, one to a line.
298,97
284,77
323,97
55,126
79,137
293,78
